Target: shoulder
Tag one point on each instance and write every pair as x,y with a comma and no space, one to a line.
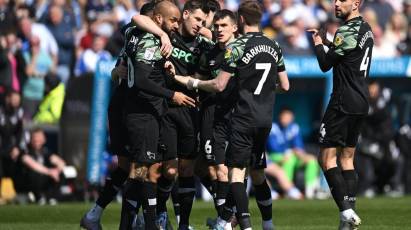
205,43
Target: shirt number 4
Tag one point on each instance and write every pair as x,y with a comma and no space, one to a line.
365,62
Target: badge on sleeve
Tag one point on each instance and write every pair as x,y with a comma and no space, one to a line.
228,52
339,38
149,53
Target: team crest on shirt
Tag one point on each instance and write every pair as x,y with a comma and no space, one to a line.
228,52
339,38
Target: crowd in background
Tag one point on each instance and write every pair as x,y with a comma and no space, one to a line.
45,43
52,41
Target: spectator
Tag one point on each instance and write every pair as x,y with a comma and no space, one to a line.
382,8
38,170
407,10
404,47
63,32
89,58
48,44
382,48
39,63
11,132
286,148
380,161
287,186
49,111
124,11
291,46
396,29
275,29
8,19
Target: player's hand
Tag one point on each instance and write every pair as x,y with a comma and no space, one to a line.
166,47
54,173
14,154
316,36
183,100
119,72
170,69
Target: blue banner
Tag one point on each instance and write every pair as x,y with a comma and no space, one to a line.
307,67
98,126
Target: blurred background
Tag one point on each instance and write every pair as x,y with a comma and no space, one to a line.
55,63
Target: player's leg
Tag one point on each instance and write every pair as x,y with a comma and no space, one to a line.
205,168
347,158
220,143
187,154
237,160
169,172
143,130
262,190
349,174
333,133
115,182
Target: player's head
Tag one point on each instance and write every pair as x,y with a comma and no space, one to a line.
213,6
147,9
345,8
249,13
167,15
285,117
194,16
225,25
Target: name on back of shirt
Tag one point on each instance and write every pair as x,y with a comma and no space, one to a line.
257,50
365,38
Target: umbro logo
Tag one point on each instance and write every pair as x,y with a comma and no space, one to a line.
151,156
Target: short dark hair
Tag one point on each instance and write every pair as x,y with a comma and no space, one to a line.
192,5
251,11
146,8
36,129
213,5
225,13
286,109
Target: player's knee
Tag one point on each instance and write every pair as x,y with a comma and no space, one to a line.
222,173
186,168
257,176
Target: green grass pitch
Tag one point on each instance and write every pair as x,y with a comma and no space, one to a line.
378,213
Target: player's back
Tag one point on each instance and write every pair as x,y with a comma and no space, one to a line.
256,74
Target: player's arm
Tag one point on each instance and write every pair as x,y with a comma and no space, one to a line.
325,60
283,84
146,24
183,80
217,84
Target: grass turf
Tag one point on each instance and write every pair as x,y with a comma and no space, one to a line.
378,213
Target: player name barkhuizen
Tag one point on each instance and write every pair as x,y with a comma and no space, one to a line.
259,49
365,37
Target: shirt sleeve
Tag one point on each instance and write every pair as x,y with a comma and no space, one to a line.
232,54
280,59
344,41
